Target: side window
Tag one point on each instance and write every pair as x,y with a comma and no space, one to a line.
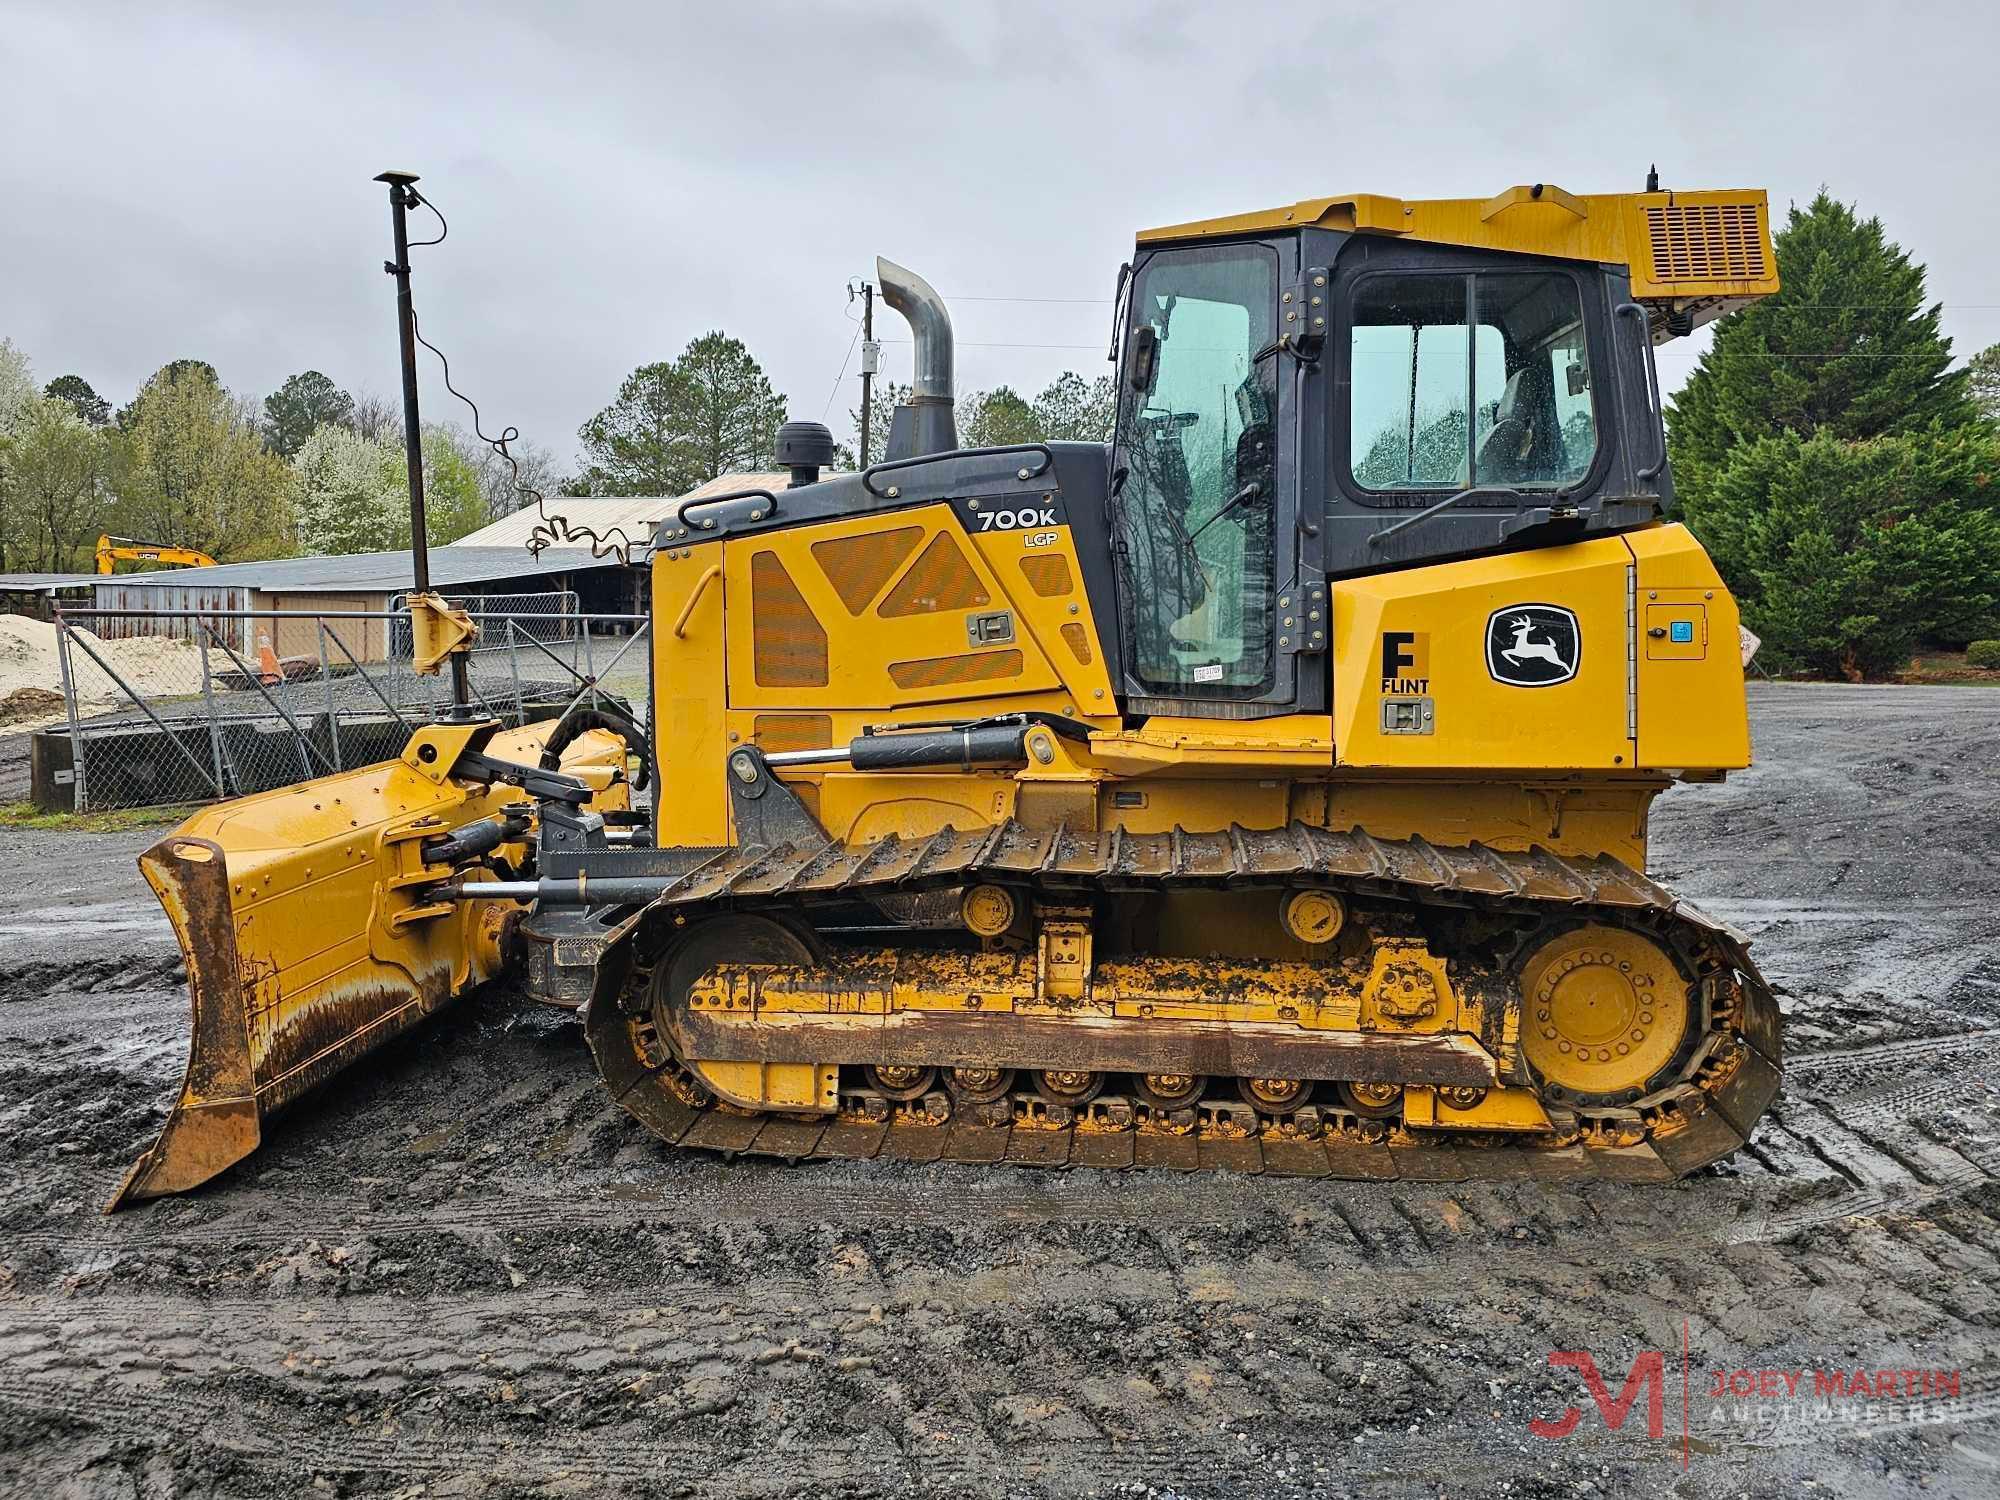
1461,380
1408,360
1533,426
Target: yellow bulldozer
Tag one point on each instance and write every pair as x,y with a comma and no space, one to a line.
1266,789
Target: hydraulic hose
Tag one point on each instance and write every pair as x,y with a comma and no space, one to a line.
580,720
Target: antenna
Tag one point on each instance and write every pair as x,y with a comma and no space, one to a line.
402,197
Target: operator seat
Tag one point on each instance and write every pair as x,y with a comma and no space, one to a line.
1524,443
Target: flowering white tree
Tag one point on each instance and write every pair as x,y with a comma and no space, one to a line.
354,493
350,493
17,385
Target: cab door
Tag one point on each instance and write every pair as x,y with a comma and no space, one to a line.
1204,495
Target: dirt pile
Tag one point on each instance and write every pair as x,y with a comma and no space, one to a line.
30,664
29,703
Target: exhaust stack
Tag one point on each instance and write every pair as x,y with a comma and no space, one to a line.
924,423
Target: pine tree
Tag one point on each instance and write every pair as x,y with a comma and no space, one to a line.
1847,346
305,402
1071,409
674,426
1834,464
84,401
996,419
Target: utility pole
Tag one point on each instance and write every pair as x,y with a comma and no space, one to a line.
871,361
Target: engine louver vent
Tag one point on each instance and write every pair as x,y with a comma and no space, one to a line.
939,579
858,566
1707,242
776,732
1048,574
936,671
788,642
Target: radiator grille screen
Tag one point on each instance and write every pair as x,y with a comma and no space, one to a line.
1079,642
940,578
936,671
1707,242
858,566
788,643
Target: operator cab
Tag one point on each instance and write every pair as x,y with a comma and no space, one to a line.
1302,406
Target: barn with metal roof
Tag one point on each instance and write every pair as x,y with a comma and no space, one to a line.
508,578
633,515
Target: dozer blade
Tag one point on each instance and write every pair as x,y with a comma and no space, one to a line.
312,938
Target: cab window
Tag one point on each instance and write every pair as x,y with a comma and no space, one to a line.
1469,380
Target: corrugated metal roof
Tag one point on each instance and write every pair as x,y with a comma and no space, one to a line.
635,514
375,572
44,583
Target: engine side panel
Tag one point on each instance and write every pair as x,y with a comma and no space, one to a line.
1410,649
1689,659
1544,661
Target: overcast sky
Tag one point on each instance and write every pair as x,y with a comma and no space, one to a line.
192,180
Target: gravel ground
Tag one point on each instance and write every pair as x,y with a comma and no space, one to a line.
460,1272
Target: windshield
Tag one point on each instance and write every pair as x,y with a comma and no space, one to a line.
1195,488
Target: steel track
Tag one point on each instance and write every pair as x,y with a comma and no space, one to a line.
1728,1080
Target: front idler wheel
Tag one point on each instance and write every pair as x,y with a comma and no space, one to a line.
1604,1012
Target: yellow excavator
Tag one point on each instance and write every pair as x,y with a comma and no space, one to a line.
112,550
1265,789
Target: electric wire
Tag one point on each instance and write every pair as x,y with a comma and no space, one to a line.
550,529
830,395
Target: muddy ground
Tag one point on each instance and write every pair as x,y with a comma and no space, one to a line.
461,1273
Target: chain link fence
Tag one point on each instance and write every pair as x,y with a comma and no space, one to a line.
168,706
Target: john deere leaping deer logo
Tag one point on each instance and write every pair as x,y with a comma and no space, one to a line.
1532,645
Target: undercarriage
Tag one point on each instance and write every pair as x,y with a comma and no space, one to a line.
1381,1007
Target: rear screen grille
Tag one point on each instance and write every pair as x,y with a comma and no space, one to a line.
1707,242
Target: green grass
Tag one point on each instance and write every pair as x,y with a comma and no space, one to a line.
113,820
